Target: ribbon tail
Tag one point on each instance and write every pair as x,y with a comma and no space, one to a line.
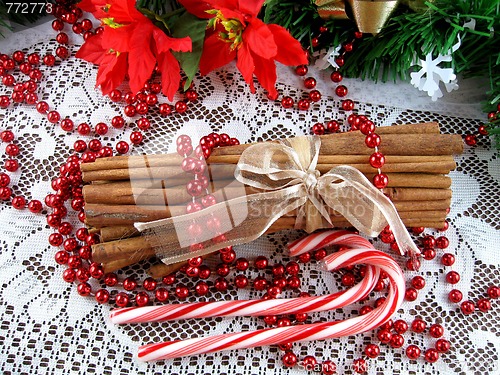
233,222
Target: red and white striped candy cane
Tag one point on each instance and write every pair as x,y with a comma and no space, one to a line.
319,240
306,332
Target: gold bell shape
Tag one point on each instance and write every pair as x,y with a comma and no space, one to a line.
371,15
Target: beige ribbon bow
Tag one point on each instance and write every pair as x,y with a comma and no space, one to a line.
287,171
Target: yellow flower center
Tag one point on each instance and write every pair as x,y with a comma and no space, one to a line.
111,23
233,28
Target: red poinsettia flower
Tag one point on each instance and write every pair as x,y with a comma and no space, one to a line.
239,34
131,44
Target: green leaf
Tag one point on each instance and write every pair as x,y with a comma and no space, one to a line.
194,27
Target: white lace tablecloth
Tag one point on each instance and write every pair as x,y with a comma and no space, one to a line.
47,328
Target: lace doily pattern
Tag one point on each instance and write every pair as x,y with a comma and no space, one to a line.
46,327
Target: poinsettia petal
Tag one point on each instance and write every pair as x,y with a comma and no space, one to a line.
231,13
92,50
141,60
117,39
164,43
245,65
251,7
290,51
124,11
216,53
265,71
259,39
94,6
113,72
170,74
196,7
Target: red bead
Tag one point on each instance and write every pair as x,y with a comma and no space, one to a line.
470,140
289,359
260,283
301,70
482,130
292,268
283,322
359,366
365,310
141,299
384,336
242,264
341,91
431,355
429,241
442,345
129,284
452,277
62,38
340,61
161,295
149,284
84,289
304,258
332,126
129,110
191,96
69,275
101,128
418,325
418,282
372,350
34,58
348,279
70,244
143,123
11,165
86,24
61,257
83,274
287,102
35,75
53,117
222,269
380,180
80,146
261,262
309,363
102,296
347,105
319,254
336,77
122,299
141,108
484,304
201,288
165,109
397,341
85,252
448,259
180,107
115,96
18,202
241,281
181,291
493,291
429,254
221,284
270,319
122,147
57,25
62,52
315,96
411,294
7,136
110,279
377,160
4,101
303,104
455,296
436,330
35,206
318,129
18,97
8,80
442,242
83,129
413,352
310,83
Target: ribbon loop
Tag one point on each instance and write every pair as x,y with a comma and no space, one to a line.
287,172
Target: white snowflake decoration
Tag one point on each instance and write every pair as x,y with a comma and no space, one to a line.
434,74
325,59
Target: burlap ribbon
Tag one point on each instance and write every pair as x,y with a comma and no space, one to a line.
287,171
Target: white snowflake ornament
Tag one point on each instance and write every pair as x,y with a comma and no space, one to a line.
325,59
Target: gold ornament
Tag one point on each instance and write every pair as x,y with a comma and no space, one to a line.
370,15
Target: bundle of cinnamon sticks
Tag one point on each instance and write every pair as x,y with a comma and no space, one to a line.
123,190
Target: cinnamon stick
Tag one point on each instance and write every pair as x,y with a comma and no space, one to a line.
134,161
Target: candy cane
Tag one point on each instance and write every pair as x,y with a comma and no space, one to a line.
375,261
254,307
327,238
301,333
